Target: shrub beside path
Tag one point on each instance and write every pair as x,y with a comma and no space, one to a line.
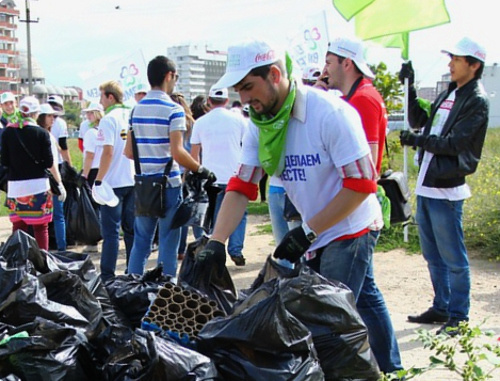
403,279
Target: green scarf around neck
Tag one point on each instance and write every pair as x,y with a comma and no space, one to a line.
272,132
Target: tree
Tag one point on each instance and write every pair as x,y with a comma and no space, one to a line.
389,87
72,113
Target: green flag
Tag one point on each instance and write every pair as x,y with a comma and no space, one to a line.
389,21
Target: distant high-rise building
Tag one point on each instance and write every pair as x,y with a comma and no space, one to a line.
199,68
9,66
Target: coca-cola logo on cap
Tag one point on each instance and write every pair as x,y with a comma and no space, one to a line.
262,57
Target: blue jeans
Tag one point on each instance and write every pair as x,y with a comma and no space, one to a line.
442,243
59,223
351,262
235,245
279,225
111,220
144,231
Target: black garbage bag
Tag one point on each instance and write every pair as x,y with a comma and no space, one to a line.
124,354
30,300
206,280
328,310
66,288
19,248
133,293
71,211
47,352
261,340
88,228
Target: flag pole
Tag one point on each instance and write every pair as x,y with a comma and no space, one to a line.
405,148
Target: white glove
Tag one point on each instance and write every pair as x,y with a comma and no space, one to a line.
62,196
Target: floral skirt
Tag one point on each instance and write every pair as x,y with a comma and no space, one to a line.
35,209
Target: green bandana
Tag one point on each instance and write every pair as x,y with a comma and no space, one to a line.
272,132
116,105
15,117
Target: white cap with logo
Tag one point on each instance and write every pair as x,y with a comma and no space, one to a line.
218,93
29,105
7,97
353,49
244,57
467,47
311,73
141,88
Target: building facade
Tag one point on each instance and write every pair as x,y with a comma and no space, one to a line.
9,66
199,68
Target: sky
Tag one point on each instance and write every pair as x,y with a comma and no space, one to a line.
74,40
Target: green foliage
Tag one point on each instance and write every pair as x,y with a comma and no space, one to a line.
472,354
257,208
389,87
264,229
72,113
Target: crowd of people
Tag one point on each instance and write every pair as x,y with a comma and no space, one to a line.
318,141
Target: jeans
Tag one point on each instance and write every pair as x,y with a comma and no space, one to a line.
235,245
144,231
59,223
111,220
442,243
350,261
279,225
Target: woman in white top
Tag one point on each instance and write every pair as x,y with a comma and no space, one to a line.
92,152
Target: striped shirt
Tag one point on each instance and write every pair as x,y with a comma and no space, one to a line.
152,120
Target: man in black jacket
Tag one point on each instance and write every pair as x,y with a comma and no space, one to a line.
448,150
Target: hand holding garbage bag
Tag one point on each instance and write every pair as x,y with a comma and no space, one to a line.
213,255
293,245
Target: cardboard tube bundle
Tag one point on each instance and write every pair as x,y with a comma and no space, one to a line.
178,310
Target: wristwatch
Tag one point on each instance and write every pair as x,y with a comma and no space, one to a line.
310,234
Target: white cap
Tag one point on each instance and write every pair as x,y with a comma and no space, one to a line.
45,108
218,93
353,49
247,56
55,99
94,106
141,88
7,97
311,73
467,47
29,105
103,194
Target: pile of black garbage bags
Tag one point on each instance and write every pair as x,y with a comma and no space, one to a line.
59,321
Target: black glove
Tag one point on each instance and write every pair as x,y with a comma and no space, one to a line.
213,254
205,174
407,72
408,138
293,245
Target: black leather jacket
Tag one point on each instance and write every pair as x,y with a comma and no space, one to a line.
458,149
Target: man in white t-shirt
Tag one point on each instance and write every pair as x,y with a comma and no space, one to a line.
316,144
117,172
449,150
218,134
60,128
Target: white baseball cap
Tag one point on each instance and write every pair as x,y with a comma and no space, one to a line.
353,49
103,194
55,99
218,93
94,106
29,105
45,108
311,73
467,47
244,57
7,97
141,88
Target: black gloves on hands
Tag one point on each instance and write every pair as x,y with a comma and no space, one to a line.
205,174
293,245
213,255
407,72
408,138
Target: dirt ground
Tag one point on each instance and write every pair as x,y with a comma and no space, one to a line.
402,278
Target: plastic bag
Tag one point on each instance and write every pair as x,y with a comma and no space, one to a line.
127,355
51,352
88,228
206,280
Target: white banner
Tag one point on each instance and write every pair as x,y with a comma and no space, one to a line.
308,47
130,71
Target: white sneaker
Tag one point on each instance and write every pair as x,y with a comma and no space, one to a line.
90,249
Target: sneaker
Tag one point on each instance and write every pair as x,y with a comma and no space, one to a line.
431,316
239,260
90,249
450,328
